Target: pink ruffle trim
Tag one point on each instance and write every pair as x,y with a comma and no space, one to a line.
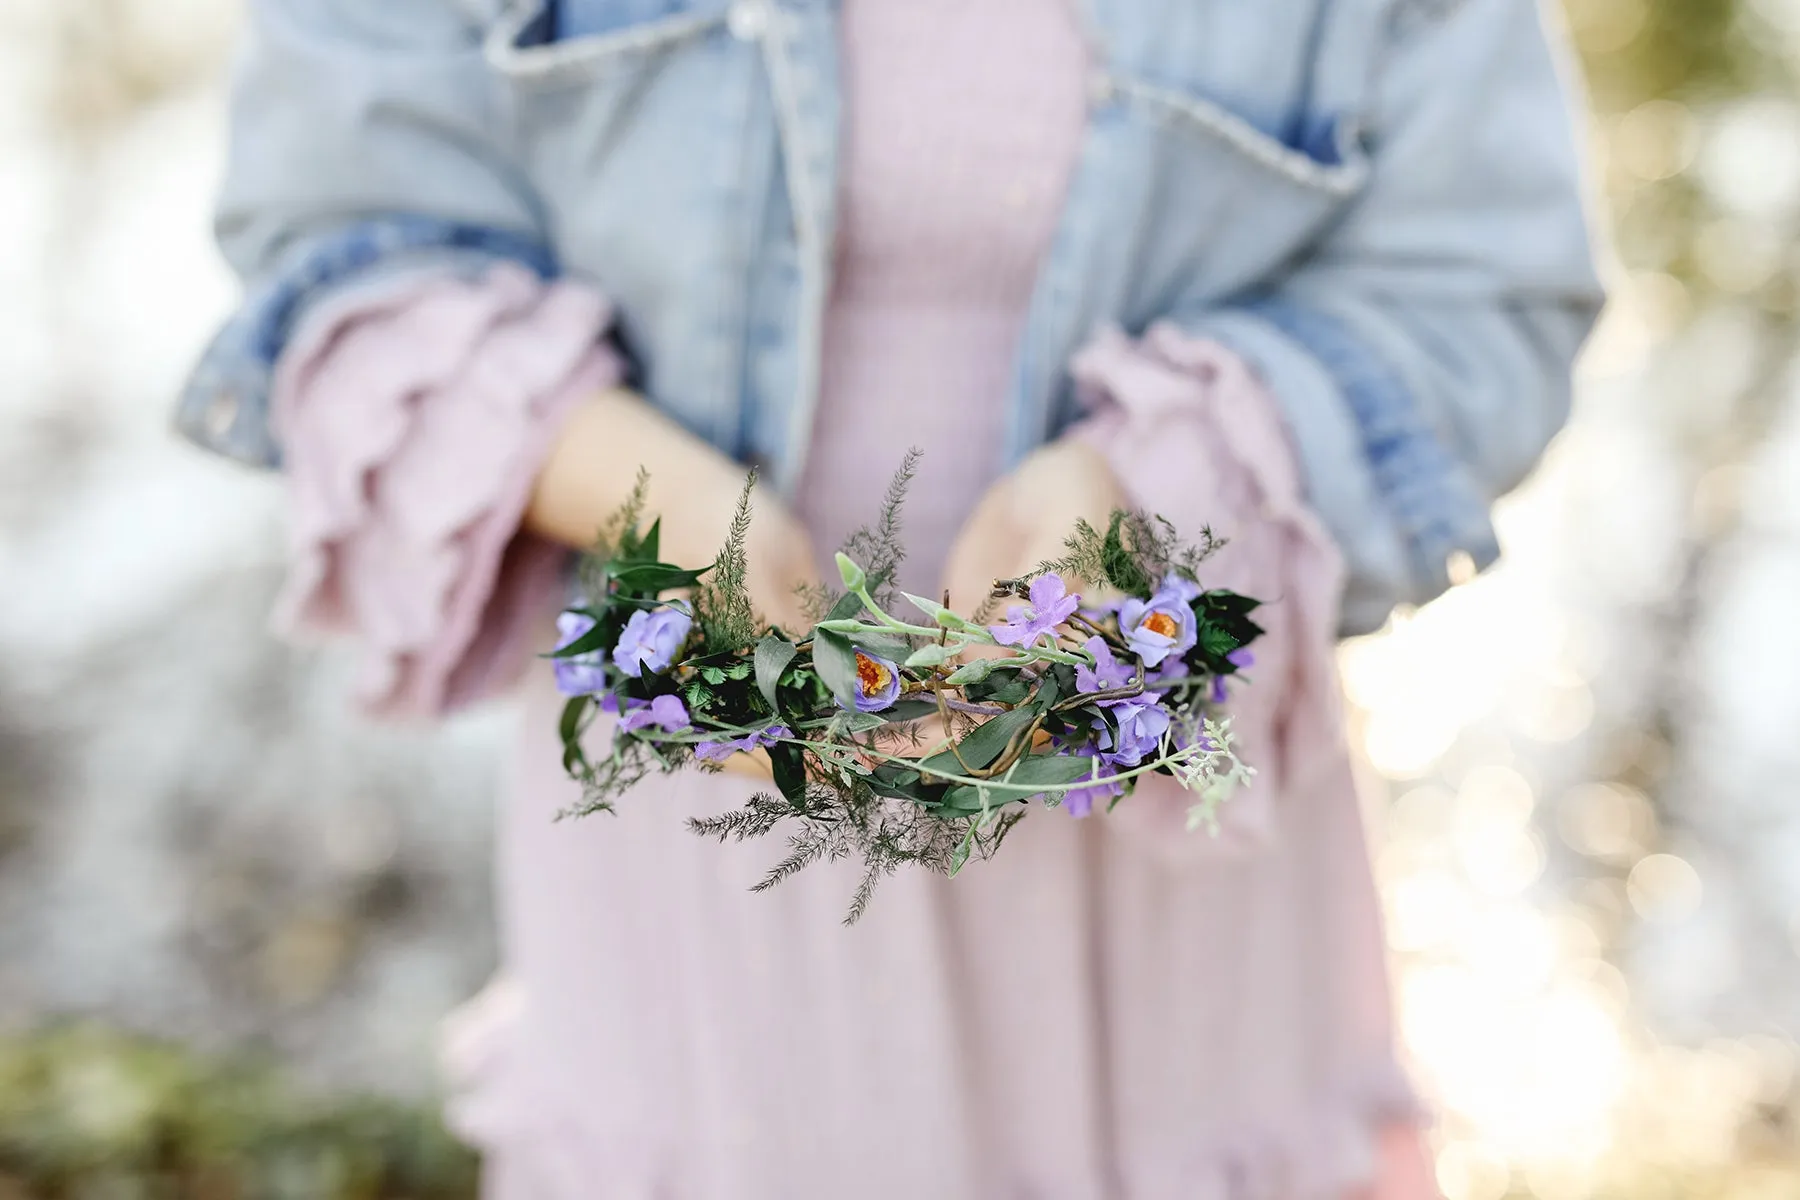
1197,438
414,421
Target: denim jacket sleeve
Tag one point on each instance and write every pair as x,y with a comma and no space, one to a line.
366,139
1423,350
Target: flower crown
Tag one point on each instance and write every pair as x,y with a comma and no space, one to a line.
896,741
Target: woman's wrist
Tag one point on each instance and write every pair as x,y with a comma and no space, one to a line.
594,464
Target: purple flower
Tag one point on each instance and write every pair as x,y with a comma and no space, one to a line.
756,739
652,639
877,682
1142,723
666,712
584,674
1050,606
1106,673
1181,587
1218,689
1162,625
1241,658
1079,802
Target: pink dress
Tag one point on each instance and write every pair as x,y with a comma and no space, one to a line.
1113,1007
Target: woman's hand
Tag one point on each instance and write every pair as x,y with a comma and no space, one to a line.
1025,517
693,489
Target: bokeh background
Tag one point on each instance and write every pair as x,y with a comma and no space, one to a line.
231,913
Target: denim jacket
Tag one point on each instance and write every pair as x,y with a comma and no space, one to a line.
1376,202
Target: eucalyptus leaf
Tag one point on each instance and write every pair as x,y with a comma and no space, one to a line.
1053,772
964,800
983,744
773,655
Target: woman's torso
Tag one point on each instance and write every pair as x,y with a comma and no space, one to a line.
962,123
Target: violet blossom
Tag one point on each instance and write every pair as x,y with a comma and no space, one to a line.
877,682
1162,625
1079,802
584,674
1141,725
652,639
756,739
666,712
1050,606
1107,672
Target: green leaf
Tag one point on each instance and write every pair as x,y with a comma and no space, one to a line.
596,638
570,727
926,657
712,675
773,655
937,612
973,671
655,577
847,606
651,546
964,800
1005,686
897,782
881,643
1216,640
1053,772
960,856
738,670
835,660
1234,603
860,722
789,763
983,744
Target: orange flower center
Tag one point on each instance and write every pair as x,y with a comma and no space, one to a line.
1161,622
871,676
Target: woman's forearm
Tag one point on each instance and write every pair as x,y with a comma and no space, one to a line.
594,464
694,491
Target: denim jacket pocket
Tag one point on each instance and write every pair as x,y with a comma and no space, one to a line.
1231,203
600,118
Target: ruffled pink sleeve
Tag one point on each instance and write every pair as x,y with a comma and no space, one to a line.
414,420
1196,438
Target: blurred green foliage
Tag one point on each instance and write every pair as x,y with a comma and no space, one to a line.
94,1114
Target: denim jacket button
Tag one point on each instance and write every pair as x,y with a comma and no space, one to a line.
747,19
